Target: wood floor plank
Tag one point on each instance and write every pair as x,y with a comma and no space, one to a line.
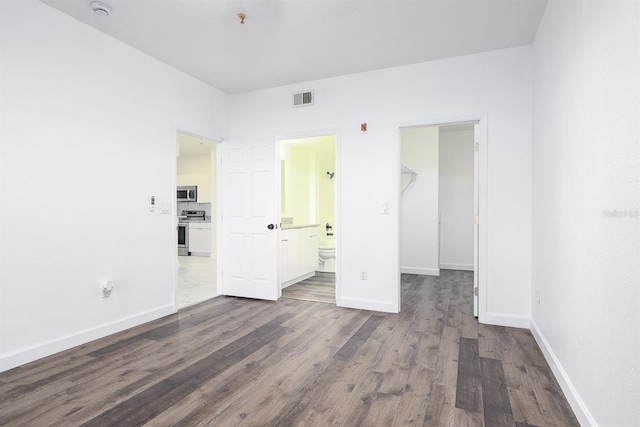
553,405
152,401
412,408
322,345
448,352
495,395
469,385
347,351
241,362
524,404
319,288
464,418
286,375
440,407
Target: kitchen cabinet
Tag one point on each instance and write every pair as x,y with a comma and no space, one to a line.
200,238
284,259
298,254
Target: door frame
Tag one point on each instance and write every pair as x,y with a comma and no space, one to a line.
480,179
199,133
338,237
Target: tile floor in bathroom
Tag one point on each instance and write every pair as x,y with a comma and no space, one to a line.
196,280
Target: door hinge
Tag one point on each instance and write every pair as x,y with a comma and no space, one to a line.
475,291
476,219
477,146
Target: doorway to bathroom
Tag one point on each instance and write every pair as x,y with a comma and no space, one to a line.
308,218
439,206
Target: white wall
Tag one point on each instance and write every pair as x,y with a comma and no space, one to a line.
496,83
88,134
199,170
419,202
300,183
586,205
456,199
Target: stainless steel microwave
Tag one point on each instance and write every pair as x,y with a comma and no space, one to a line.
188,193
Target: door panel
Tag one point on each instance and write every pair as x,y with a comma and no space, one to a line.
249,204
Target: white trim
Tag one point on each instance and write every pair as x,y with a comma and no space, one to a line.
499,319
219,190
420,271
47,348
367,304
575,401
453,266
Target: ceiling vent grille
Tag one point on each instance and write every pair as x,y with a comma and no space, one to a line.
303,99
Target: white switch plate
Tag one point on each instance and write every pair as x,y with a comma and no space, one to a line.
165,208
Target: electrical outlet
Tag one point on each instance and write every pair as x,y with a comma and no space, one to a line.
363,274
107,287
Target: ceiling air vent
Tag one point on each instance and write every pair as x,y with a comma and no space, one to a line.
303,99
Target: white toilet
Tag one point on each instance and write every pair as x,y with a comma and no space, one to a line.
327,255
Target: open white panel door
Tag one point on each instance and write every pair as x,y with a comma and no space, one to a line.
476,214
250,214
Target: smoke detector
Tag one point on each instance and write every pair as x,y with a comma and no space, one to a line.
100,9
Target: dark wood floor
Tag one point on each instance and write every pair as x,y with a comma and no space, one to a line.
237,362
319,288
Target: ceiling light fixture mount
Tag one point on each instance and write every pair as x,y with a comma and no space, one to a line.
100,9
242,17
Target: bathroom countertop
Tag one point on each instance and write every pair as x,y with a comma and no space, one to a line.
292,227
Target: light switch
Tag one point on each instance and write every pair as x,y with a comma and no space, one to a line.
165,208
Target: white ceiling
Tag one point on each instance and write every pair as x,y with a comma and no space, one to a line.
291,41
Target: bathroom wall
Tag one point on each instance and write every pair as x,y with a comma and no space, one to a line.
419,202
300,182
456,198
309,194
326,162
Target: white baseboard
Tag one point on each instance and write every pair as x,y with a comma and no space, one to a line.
47,348
577,404
453,266
366,304
498,319
420,271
